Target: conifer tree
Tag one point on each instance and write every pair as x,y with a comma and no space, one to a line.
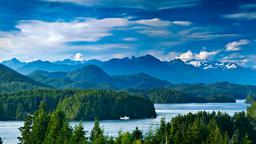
26,131
97,136
215,136
58,130
79,135
39,127
137,134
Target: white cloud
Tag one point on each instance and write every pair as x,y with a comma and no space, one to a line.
231,66
236,45
195,63
202,55
35,37
154,32
59,39
78,57
242,15
156,22
182,23
130,39
186,56
205,55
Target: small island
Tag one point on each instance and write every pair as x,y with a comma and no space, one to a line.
77,104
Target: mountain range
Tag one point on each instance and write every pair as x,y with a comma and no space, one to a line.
174,71
91,76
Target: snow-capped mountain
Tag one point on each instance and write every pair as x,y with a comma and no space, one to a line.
206,64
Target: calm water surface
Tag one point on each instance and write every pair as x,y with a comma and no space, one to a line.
9,129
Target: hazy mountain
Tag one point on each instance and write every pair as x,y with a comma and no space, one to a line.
92,76
46,66
13,63
72,62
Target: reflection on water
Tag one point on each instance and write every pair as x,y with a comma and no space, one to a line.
9,129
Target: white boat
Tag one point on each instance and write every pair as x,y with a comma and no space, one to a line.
124,118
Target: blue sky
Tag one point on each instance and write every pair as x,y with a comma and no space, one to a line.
102,29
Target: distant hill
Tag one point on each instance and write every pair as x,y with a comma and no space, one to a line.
174,71
92,76
12,81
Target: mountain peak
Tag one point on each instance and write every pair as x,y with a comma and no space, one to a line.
147,59
89,73
177,61
13,63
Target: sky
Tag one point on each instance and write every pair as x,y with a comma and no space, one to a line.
216,30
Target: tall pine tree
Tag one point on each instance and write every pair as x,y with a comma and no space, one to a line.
79,135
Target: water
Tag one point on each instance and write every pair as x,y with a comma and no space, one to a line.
9,129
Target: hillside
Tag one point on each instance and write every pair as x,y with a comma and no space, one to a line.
11,81
92,76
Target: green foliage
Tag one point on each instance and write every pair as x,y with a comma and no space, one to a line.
26,131
97,135
137,134
251,111
79,135
246,140
124,138
170,95
11,81
76,104
39,125
58,130
1,141
250,99
45,128
104,104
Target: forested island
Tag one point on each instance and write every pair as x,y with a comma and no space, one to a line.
76,104
201,128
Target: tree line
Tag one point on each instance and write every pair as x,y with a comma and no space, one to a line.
170,95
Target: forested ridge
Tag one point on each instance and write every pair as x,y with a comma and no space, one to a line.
170,95
200,128
12,81
77,104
